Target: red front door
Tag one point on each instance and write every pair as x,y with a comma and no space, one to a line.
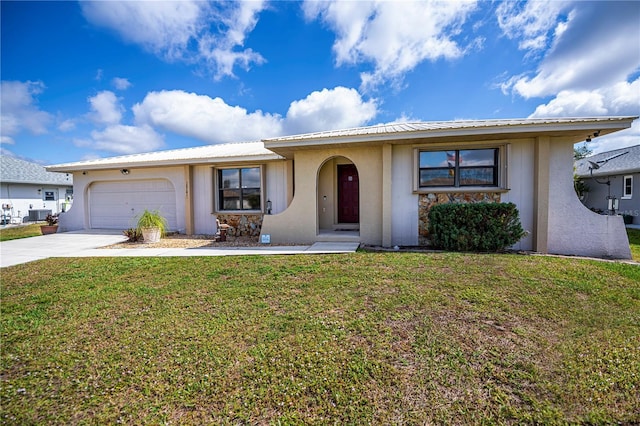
348,194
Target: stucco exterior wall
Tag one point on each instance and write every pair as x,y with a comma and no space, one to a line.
572,228
404,203
204,221
300,224
78,216
521,176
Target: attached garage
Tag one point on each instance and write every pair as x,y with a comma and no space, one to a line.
116,204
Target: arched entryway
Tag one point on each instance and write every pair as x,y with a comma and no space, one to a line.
338,198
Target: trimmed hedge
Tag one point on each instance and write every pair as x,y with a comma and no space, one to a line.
474,227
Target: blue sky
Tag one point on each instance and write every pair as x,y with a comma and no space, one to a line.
84,80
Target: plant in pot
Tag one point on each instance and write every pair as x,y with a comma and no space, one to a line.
152,225
52,224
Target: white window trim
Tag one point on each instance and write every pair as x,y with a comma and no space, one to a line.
503,175
626,196
216,189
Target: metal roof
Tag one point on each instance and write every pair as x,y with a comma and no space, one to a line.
477,126
278,148
615,162
230,152
15,170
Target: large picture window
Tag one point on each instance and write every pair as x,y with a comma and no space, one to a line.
239,189
458,168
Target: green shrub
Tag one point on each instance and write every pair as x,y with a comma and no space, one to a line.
474,227
152,219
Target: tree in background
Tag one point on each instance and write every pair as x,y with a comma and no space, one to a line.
579,152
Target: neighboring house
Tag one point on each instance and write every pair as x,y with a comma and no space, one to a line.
613,181
28,192
373,185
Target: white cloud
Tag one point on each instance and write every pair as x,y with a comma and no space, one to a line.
219,50
19,110
120,83
620,99
208,119
531,22
182,30
598,47
329,109
123,139
67,125
213,121
105,108
162,27
394,36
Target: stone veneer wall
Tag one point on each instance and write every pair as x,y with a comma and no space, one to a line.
426,201
243,224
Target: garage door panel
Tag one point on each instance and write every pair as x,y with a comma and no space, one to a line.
115,205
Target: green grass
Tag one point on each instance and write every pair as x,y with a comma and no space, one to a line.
634,243
22,231
365,338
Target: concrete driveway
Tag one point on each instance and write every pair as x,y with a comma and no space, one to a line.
61,244
88,243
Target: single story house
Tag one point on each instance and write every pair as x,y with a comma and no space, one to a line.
612,181
373,185
28,192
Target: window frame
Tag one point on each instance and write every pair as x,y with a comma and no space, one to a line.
217,197
500,178
625,195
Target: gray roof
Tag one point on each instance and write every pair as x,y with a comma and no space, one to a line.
15,170
616,162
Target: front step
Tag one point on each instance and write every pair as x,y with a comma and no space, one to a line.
339,227
338,236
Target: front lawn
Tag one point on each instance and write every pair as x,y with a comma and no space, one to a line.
398,338
22,231
634,243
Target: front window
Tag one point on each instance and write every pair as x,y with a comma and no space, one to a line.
458,168
627,189
239,189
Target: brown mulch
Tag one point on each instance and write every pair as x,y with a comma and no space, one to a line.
190,241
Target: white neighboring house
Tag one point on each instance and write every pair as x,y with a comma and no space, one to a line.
28,192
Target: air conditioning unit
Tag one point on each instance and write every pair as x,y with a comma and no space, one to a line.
38,215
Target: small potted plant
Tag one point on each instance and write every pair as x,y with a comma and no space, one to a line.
152,225
52,225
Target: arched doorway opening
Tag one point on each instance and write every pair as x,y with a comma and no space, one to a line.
338,198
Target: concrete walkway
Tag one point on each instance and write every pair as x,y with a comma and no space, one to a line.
89,243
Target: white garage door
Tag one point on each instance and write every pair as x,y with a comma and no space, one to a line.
115,205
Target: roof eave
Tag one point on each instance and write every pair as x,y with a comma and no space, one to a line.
37,182
77,167
599,174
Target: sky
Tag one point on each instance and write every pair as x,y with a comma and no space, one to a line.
85,80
